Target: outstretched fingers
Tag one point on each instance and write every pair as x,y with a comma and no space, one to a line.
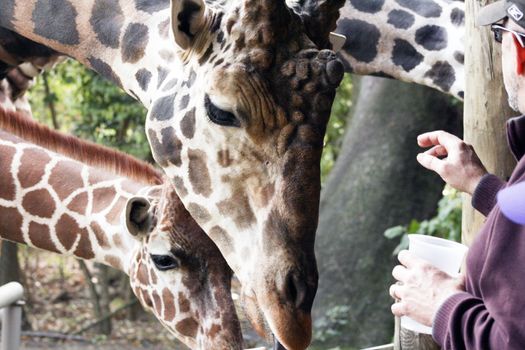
439,137
437,151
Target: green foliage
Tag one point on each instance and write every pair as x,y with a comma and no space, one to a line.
446,224
331,325
336,126
91,107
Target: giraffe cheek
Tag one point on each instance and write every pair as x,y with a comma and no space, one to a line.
264,195
157,304
198,172
166,149
224,158
188,327
142,275
169,305
146,300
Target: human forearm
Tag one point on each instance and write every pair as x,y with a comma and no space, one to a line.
464,322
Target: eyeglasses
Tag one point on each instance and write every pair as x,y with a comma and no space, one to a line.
498,34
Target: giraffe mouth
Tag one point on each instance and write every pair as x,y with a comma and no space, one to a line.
287,327
277,345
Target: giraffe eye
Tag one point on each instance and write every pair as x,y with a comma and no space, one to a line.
219,116
165,262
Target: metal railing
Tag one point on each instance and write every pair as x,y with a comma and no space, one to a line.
11,295
382,347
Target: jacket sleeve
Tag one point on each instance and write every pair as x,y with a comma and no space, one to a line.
484,197
464,322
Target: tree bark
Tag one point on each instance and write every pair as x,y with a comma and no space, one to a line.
486,108
9,266
105,300
375,184
50,100
95,299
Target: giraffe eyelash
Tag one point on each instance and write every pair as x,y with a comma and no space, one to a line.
219,116
165,262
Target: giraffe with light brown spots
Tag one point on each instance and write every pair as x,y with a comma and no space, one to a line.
118,212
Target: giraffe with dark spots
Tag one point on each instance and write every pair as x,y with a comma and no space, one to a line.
201,213
107,20
161,259
187,125
244,105
395,21
408,40
134,42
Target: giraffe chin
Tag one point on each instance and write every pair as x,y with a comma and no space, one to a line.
291,328
295,334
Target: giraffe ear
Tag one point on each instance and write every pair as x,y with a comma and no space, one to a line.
137,216
187,20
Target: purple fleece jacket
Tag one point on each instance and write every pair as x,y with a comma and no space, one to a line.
490,314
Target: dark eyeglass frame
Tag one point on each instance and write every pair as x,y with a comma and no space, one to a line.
498,30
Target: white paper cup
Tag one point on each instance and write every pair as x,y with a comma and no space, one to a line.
444,254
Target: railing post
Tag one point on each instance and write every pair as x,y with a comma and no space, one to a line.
11,325
397,333
11,305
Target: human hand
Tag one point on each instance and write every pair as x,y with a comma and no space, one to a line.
422,288
461,169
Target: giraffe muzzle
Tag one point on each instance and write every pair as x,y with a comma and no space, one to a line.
295,290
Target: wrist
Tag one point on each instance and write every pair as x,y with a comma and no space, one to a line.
474,182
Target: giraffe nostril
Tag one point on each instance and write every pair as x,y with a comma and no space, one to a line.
296,291
335,72
292,288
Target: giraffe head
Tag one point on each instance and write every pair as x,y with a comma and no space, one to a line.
70,196
179,274
240,134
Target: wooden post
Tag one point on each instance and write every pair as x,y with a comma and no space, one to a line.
486,108
408,340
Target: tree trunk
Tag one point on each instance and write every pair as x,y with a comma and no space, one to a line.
100,299
486,108
9,266
375,184
105,299
50,100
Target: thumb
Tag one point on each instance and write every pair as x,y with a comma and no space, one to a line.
430,162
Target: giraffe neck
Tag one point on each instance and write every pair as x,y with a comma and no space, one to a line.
420,43
119,40
57,204
414,41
